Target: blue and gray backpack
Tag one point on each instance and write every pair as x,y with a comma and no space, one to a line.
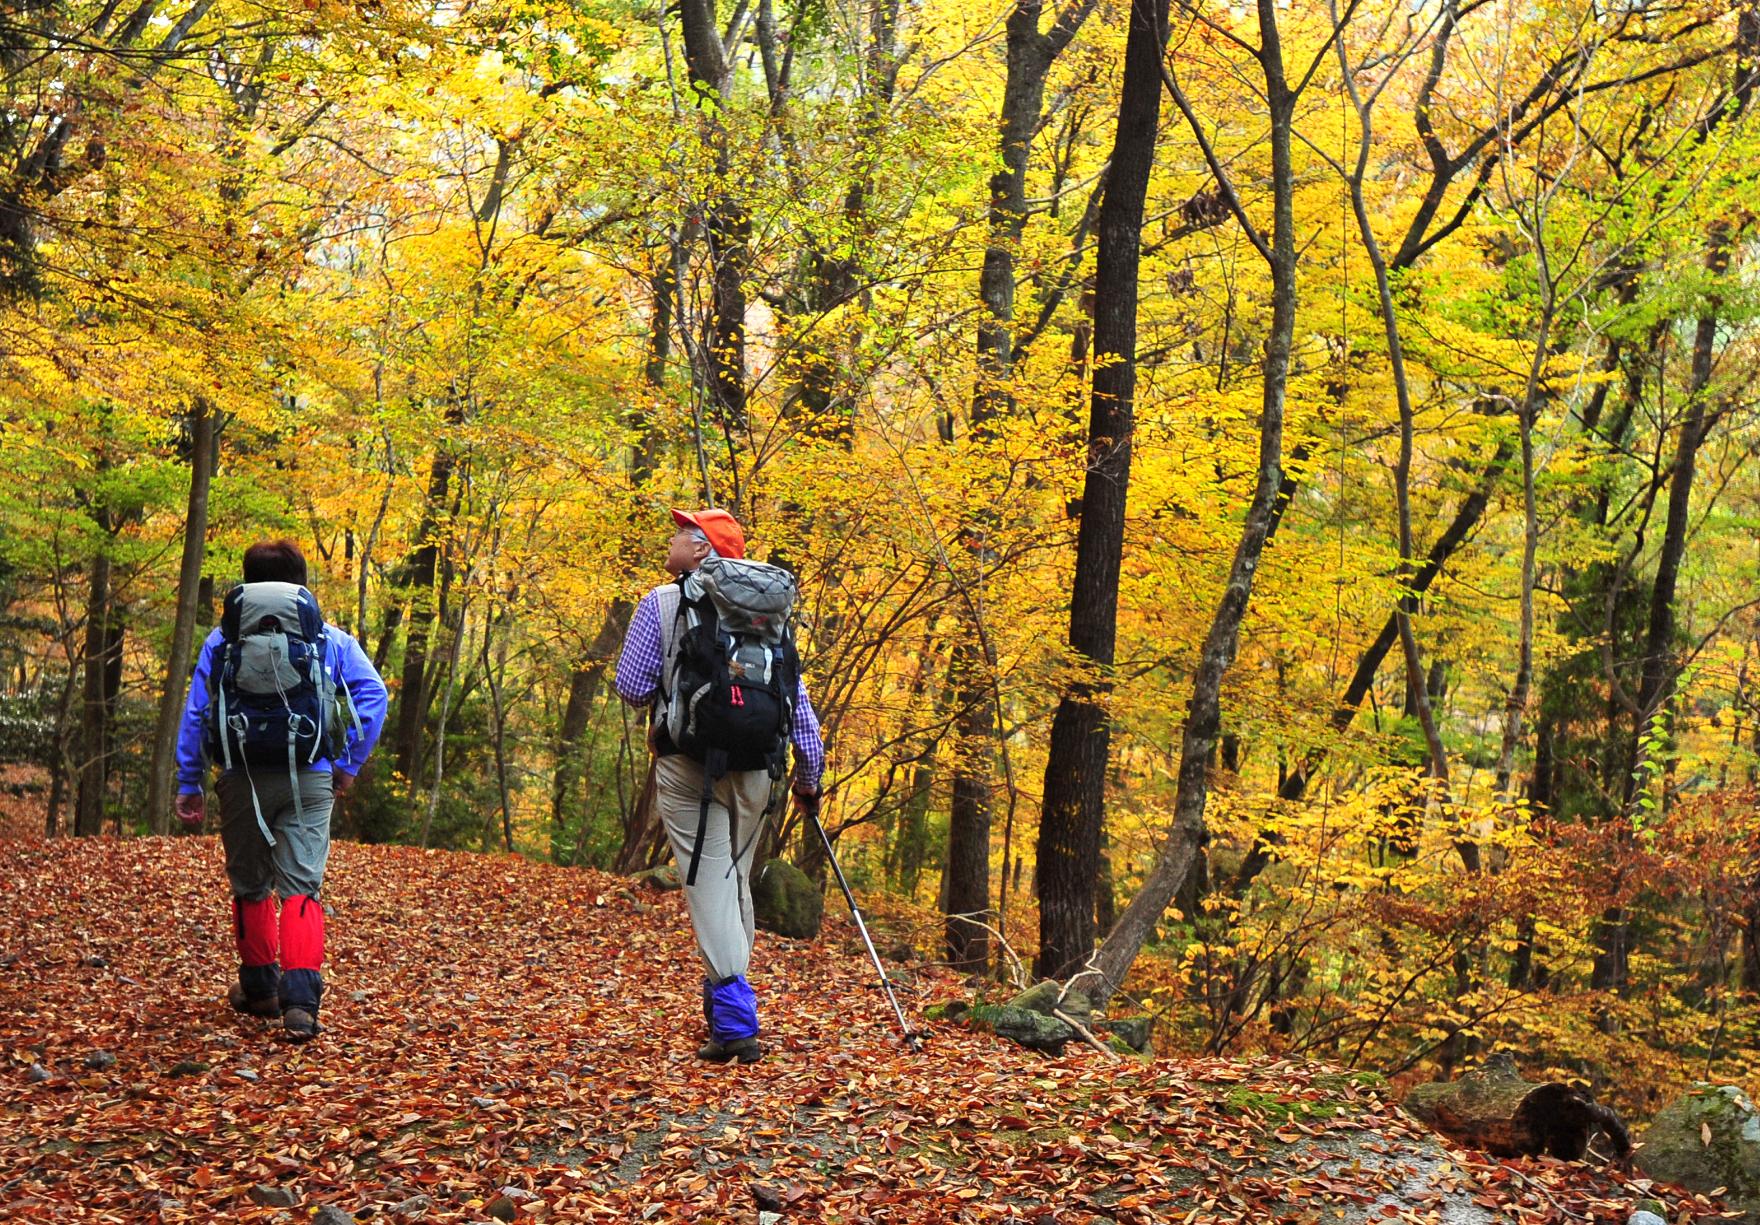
273,698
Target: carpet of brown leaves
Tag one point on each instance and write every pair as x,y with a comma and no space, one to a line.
507,1040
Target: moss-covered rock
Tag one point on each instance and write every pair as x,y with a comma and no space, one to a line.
662,879
1707,1139
1042,999
946,1010
1033,1030
785,901
1133,1032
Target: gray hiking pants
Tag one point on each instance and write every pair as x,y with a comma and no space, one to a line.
295,864
721,900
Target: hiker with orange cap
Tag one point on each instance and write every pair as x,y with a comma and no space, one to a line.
712,655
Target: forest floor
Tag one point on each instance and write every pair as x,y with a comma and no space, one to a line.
507,1040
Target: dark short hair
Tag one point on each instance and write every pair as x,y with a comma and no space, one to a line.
274,561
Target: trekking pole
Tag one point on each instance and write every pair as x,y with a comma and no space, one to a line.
911,1038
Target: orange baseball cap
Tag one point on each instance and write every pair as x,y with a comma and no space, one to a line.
722,529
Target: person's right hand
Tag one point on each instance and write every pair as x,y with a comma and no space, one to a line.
191,810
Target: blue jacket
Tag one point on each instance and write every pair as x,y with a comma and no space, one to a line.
349,665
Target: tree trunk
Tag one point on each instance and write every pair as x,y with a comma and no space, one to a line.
1068,855
189,581
583,693
1173,859
1494,1109
1030,55
912,847
966,884
419,573
728,225
1660,668
94,712
1751,939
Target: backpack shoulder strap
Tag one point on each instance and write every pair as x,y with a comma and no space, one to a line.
668,603
229,613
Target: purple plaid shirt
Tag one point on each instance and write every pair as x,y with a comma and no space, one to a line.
638,681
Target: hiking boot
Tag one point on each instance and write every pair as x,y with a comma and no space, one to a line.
267,1007
301,1026
746,1050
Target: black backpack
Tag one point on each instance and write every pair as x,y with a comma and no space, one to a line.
272,699
728,688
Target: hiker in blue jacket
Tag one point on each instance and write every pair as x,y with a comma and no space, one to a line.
288,707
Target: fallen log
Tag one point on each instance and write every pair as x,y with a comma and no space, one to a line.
1492,1108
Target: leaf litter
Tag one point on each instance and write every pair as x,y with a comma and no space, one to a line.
508,1040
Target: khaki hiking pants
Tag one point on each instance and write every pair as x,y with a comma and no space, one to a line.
721,900
295,864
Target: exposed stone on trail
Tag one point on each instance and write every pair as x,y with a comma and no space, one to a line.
663,879
785,901
1034,1030
1707,1139
1043,999
1133,1032
274,1197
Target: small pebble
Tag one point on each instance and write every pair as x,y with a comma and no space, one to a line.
99,1060
274,1197
37,1074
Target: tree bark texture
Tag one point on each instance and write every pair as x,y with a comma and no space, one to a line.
102,638
1494,1109
1184,840
1068,856
183,631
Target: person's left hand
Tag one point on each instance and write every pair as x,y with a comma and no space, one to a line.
807,801
341,781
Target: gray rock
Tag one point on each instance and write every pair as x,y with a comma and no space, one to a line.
785,901
662,879
247,1074
330,1214
1645,1218
1043,998
501,1208
274,1197
484,1103
415,1205
1033,1030
1132,1031
1707,1139
37,1074
98,1061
